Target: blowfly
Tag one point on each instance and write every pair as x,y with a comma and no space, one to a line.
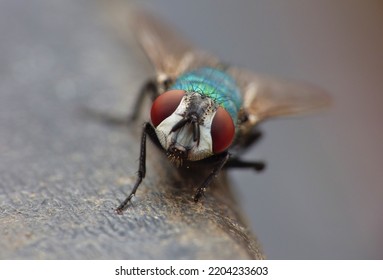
203,109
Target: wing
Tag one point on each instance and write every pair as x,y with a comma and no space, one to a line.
266,97
169,54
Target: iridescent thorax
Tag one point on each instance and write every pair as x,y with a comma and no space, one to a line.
213,83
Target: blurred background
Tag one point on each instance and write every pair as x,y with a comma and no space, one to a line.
322,194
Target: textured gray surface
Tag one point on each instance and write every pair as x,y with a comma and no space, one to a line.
62,172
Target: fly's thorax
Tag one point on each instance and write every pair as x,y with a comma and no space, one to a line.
191,126
214,83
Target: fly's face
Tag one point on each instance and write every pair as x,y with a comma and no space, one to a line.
191,126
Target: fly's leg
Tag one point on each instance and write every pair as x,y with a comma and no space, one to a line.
201,189
141,169
246,140
153,88
253,137
149,88
238,163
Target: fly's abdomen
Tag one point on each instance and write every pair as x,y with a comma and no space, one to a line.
213,83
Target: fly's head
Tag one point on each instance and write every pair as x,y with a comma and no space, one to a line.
191,126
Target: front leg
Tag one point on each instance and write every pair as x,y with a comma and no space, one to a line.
141,169
201,189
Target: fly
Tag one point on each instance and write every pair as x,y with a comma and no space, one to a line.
204,109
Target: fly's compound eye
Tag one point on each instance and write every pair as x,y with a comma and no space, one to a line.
165,105
222,130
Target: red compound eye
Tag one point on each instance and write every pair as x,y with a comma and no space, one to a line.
222,130
165,105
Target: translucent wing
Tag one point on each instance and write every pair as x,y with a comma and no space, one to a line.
169,54
266,97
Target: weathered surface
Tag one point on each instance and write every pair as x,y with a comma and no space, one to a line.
63,173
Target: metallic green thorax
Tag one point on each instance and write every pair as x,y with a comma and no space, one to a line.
213,83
